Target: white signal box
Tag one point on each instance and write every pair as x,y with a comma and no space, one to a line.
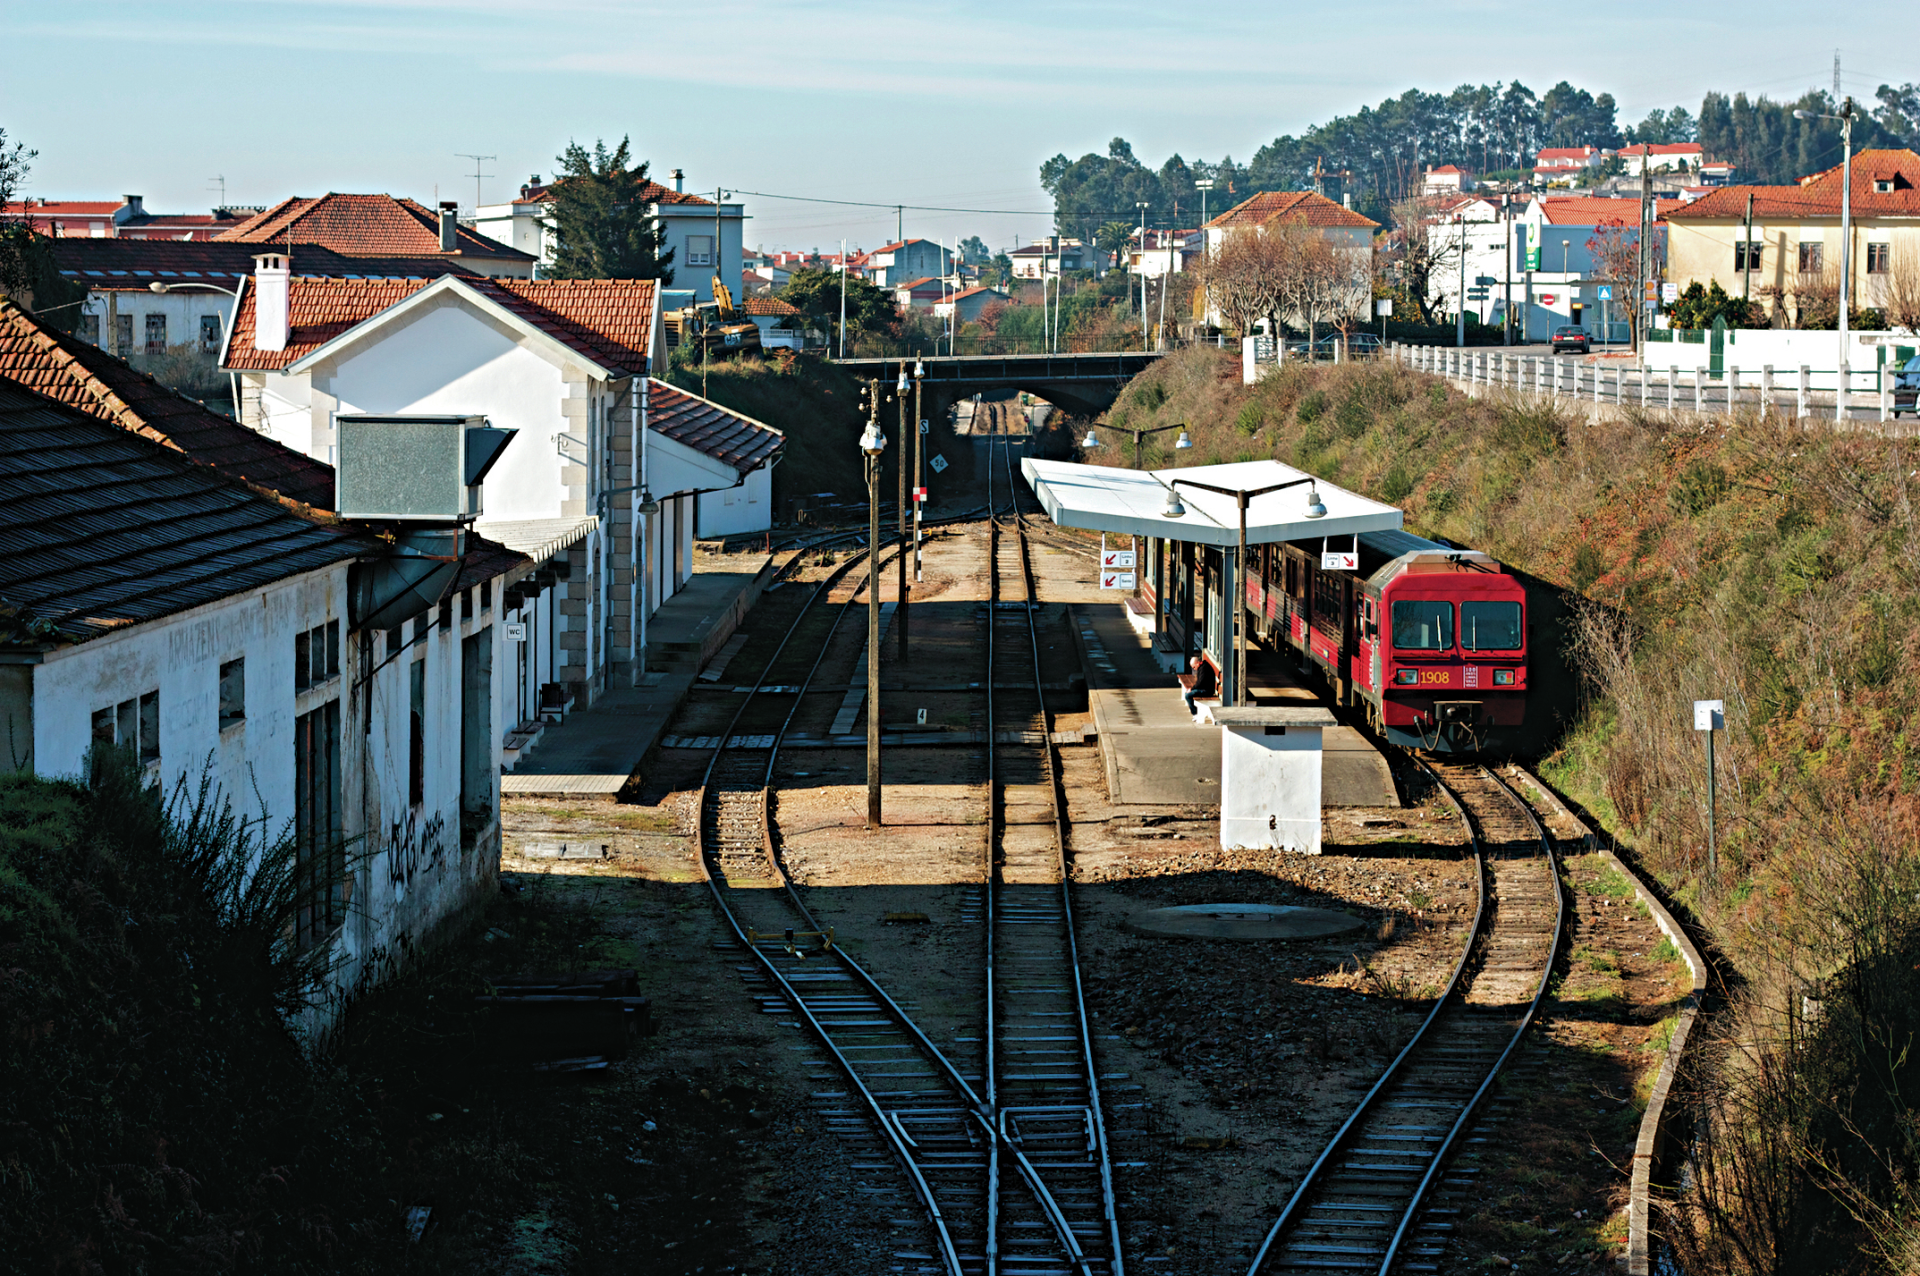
1709,715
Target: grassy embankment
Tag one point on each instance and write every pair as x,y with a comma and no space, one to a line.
1704,558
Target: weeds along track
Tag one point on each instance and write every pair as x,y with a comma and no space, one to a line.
1386,1193
1042,1083
1004,1187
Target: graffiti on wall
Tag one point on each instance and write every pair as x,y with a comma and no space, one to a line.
414,844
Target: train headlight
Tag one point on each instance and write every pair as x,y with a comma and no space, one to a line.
1406,677
1503,677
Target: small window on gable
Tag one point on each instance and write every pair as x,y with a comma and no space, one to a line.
1883,185
233,692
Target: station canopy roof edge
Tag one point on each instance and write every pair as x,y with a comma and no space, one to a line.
1100,498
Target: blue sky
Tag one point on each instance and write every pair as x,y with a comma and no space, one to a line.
931,103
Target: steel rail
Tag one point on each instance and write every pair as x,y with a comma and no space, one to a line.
1465,1118
894,1135
1310,1181
1056,793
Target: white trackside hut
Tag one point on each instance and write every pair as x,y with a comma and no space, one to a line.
1270,766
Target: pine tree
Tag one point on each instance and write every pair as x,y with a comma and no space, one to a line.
603,226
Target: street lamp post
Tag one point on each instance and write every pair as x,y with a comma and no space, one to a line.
919,472
1204,185
900,393
163,286
1846,221
1566,277
1237,605
872,444
1143,274
1460,318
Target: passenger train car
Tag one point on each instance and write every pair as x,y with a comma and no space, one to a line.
1428,640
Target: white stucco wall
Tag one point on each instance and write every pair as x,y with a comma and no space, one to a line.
1270,789
452,359
747,508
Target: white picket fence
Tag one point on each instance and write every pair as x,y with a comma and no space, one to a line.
1842,393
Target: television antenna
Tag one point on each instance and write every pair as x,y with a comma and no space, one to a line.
477,174
222,181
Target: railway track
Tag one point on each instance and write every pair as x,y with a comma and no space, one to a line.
1000,1140
1388,1190
1042,1079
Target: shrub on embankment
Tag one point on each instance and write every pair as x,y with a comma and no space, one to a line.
1741,559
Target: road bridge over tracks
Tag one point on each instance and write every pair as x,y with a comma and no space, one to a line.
1083,384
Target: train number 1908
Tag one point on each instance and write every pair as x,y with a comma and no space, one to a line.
1440,676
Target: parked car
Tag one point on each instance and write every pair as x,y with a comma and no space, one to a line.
1906,388
1571,338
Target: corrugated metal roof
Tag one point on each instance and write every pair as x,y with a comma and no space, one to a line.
101,528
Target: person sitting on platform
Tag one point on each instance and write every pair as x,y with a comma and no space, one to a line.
1197,684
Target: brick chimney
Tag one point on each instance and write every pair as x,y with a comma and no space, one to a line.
271,273
449,226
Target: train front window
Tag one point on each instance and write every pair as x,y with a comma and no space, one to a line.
1490,626
1423,624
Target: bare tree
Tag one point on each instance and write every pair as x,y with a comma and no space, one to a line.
1422,252
1898,291
1244,278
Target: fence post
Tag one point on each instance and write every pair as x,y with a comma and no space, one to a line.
1539,374
1886,398
1599,375
1699,390
1806,387
1673,379
1840,394
1646,385
1766,389
1733,390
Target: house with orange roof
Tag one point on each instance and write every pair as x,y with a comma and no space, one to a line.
379,226
705,238
968,303
128,219
895,264
921,294
1558,279
1054,254
611,476
1448,179
1348,232
1792,247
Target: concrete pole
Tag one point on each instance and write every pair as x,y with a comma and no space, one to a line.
1806,387
900,463
1840,391
919,473
1766,389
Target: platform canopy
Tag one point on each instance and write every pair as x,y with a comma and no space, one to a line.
1103,498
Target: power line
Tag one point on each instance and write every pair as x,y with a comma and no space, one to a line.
916,208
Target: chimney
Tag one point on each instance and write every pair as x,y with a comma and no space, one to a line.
679,181
133,203
271,272
449,226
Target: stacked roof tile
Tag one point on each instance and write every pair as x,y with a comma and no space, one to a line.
86,377
1819,194
766,306
721,433
1291,208
101,528
607,320
362,226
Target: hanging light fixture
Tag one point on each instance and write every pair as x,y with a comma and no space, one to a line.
1183,442
872,442
648,505
1174,508
900,386
1314,508
1090,443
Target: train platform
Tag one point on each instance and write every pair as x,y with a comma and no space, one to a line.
591,755
1157,756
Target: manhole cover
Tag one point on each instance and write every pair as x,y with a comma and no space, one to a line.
1243,921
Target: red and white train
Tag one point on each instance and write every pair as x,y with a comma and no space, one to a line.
1429,641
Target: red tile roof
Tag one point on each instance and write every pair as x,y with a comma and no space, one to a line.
362,225
1819,194
1291,208
705,426
975,291
910,285
60,208
85,377
1592,210
1566,152
1447,168
769,306
1662,148
608,320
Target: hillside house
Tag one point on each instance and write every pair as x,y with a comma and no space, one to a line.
706,241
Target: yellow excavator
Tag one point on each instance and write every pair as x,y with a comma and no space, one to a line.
716,325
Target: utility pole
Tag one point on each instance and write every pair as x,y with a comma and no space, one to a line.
843,299
1746,254
1644,257
477,175
1460,316
1506,323
900,463
1143,275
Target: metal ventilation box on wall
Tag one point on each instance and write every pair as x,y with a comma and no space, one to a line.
423,469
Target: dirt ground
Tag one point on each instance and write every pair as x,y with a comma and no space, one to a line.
1226,1064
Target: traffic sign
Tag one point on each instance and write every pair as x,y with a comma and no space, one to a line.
1669,293
926,428
938,464
1606,292
1709,715
1116,580
1476,294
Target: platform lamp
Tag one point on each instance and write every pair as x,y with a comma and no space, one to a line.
1092,442
872,444
1315,509
900,393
